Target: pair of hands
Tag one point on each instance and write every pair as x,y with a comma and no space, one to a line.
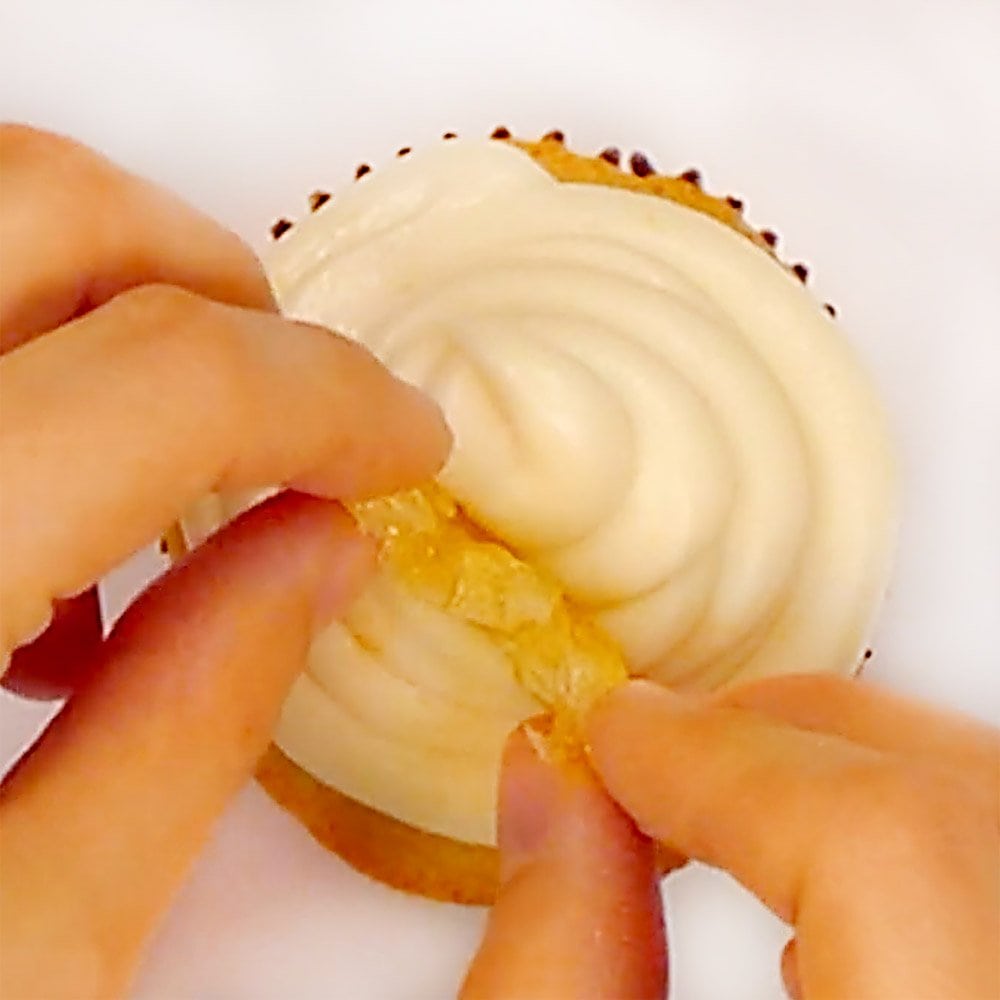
145,365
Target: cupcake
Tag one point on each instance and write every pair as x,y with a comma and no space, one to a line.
667,463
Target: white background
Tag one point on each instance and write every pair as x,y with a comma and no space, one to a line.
865,132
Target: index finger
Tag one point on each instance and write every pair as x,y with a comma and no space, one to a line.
75,230
875,718
116,423
722,785
869,858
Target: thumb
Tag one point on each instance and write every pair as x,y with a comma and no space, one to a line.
886,867
578,913
103,816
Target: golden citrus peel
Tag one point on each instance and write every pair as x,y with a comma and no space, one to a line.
558,656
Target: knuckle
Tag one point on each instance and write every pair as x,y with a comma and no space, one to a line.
184,337
168,322
18,140
243,252
154,297
159,305
37,151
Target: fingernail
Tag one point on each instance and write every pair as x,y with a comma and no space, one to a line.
350,569
619,710
440,436
646,692
529,790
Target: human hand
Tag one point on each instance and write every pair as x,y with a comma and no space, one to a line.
867,822
579,913
141,370
100,821
144,366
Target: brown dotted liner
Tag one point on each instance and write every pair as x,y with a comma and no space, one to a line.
606,168
385,848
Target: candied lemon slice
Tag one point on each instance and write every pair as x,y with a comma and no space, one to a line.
558,655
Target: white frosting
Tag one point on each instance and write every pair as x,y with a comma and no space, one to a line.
643,402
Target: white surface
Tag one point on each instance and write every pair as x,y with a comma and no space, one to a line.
860,132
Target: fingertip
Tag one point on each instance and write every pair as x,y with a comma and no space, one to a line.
384,434
437,437
314,540
790,970
639,691
554,810
637,736
351,562
250,285
579,910
636,704
418,442
529,790
293,543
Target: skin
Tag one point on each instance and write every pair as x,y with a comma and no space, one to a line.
579,913
143,365
868,822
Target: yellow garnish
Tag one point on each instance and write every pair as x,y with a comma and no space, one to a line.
557,654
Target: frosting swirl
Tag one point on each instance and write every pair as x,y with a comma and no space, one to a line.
643,402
